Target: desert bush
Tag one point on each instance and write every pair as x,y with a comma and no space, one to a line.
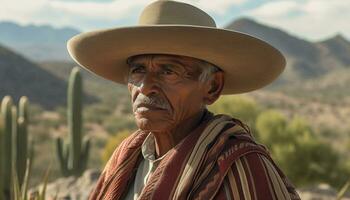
115,123
21,192
97,113
299,151
293,144
113,143
241,107
271,126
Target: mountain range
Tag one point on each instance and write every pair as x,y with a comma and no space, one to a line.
38,43
21,77
311,66
305,59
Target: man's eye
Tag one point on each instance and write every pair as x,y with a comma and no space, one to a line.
137,70
167,69
168,72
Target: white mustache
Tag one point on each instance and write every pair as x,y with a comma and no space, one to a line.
153,101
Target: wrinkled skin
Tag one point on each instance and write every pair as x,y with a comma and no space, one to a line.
168,100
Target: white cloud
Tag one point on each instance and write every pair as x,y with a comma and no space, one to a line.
220,7
109,10
313,19
62,13
71,13
20,10
276,9
122,8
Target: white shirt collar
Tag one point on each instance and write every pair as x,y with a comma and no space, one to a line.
148,149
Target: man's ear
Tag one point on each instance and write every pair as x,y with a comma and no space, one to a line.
214,87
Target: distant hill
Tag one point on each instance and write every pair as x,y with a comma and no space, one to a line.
38,43
304,59
93,85
21,77
338,48
332,88
311,66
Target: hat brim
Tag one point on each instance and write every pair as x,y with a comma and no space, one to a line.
248,63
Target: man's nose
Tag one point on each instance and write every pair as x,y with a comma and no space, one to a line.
149,84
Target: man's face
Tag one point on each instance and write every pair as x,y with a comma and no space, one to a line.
164,90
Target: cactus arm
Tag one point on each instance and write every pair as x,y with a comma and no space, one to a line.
7,149
62,156
22,139
29,164
14,137
67,153
22,146
16,186
23,108
8,112
85,154
1,158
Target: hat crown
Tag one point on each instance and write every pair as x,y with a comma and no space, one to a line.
166,12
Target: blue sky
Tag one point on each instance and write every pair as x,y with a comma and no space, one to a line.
310,19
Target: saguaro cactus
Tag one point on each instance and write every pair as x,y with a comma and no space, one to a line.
22,139
6,156
14,144
1,158
73,154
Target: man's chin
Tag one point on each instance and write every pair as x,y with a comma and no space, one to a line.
151,125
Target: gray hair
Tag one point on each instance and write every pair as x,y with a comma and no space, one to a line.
207,70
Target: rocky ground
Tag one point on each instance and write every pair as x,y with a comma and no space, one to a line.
78,189
72,188
320,192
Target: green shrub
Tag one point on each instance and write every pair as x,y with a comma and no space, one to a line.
240,107
113,143
271,126
115,123
299,151
20,192
97,113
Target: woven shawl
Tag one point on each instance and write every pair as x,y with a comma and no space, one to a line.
193,169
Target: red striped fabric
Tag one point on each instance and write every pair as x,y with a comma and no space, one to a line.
233,166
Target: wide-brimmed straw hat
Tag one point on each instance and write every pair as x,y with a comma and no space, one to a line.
170,27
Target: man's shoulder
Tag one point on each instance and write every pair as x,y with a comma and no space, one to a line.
125,149
234,142
244,165
235,131
134,140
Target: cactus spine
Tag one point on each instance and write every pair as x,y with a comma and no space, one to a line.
14,143
73,155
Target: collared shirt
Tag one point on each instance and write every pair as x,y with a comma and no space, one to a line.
146,167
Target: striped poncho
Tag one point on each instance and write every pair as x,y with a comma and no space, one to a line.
218,160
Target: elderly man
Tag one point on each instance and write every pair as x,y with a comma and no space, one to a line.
175,63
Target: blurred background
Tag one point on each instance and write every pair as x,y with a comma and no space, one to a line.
303,117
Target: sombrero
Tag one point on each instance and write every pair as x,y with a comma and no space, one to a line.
170,27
